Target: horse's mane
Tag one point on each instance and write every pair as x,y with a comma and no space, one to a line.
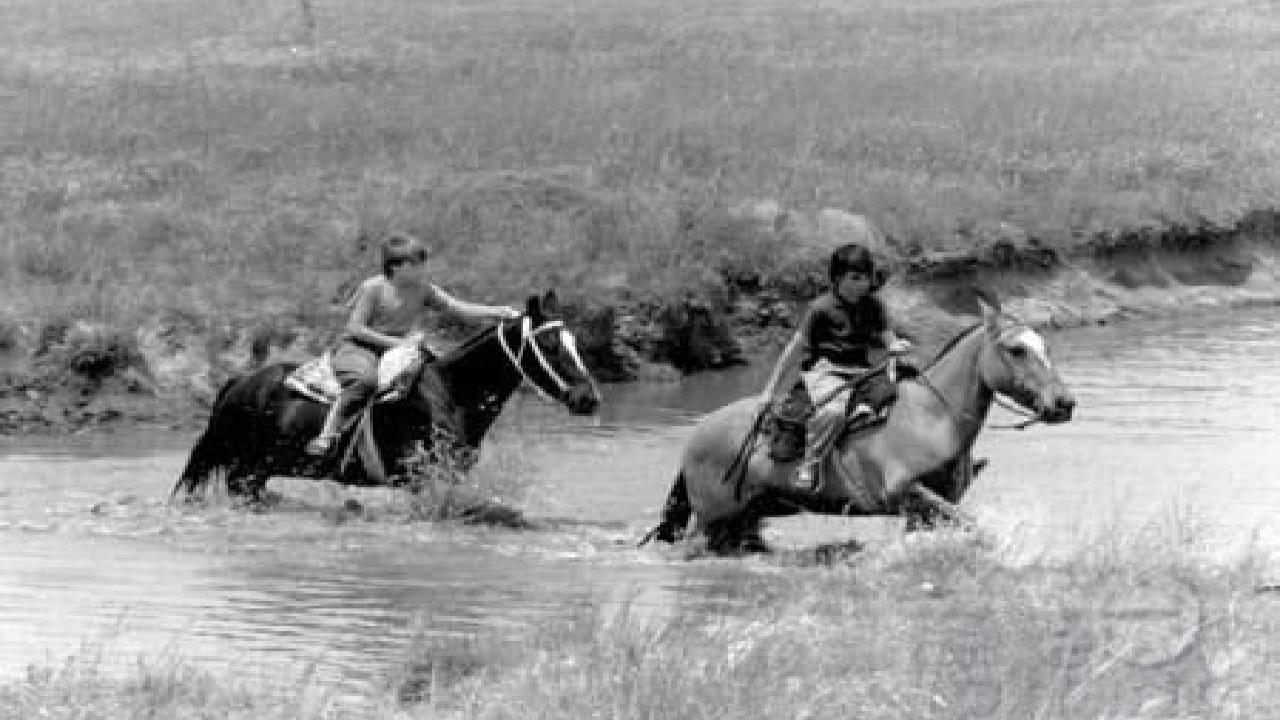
467,345
952,343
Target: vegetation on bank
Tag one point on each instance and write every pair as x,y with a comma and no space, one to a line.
232,160
940,626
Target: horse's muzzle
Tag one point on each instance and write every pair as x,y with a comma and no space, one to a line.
582,400
1059,409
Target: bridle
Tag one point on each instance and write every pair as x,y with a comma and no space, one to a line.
1010,405
528,339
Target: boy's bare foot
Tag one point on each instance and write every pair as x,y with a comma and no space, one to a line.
321,445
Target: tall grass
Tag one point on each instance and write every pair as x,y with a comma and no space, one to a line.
227,158
943,626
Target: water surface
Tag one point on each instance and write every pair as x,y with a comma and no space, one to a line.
1176,427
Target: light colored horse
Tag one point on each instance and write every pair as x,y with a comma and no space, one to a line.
917,463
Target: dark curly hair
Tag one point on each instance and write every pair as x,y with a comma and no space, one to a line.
856,257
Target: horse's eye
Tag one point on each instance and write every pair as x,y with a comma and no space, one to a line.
1018,352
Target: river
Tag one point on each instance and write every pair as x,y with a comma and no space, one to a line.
1176,430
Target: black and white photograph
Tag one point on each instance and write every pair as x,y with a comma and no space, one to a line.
639,359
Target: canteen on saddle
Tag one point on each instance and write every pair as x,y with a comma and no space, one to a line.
397,368
786,425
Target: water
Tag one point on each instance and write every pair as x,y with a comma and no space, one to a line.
1176,426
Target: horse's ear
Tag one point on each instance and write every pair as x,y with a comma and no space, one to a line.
987,299
540,308
989,304
550,303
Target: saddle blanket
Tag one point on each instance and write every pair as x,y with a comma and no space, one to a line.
397,368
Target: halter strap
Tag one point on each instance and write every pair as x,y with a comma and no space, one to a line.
528,334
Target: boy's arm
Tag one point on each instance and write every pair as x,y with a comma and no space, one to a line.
473,312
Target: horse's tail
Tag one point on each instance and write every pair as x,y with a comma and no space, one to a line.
210,452
675,514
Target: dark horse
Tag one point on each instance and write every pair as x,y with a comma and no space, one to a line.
259,427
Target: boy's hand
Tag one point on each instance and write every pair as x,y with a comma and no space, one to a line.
768,402
900,346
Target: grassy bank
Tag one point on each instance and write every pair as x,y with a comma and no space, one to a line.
1150,626
216,160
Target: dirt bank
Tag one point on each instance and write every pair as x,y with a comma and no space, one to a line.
76,376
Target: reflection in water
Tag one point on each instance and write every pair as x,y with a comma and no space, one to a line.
1176,419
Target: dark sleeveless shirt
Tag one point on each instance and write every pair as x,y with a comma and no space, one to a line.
843,332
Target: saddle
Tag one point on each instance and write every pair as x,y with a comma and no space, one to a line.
397,368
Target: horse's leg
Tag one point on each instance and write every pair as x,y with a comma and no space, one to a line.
950,483
742,531
256,488
751,534
724,536
736,534
238,482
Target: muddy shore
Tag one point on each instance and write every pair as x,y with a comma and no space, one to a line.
75,377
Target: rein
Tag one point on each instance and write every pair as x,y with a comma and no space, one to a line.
1016,409
1032,418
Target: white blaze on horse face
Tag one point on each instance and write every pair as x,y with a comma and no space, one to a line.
1036,345
570,344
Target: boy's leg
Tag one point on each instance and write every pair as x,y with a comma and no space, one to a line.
357,371
824,428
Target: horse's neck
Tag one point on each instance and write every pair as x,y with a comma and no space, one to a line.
964,397
479,377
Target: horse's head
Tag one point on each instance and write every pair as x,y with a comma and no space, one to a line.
546,354
1015,363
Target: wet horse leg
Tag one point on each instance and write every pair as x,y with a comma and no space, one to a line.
950,483
736,534
742,532
247,484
